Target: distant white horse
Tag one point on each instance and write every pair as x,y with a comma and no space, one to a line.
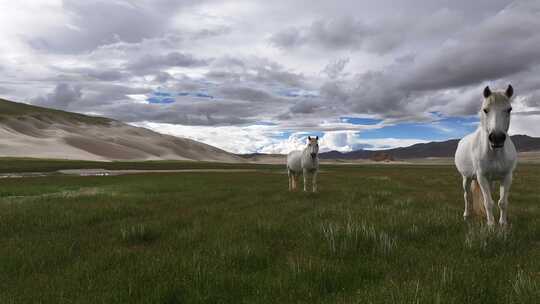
304,162
488,155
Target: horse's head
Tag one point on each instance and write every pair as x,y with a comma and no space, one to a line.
495,116
313,146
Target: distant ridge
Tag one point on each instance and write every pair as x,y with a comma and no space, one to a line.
447,148
31,131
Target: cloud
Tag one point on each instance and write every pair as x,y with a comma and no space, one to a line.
335,68
61,97
245,93
162,77
150,62
91,24
297,66
266,139
380,37
526,124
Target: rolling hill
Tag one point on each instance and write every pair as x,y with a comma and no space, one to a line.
30,131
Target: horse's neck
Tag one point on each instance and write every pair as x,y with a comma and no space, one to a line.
305,154
307,157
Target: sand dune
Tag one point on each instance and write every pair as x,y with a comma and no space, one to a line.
28,131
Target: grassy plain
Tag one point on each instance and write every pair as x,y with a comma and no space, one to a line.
373,234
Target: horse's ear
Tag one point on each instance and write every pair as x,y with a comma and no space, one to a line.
487,92
317,137
309,137
509,91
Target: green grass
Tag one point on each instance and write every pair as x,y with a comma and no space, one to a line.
19,165
374,234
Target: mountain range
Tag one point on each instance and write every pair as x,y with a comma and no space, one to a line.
31,131
447,148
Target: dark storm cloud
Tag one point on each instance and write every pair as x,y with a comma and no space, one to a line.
150,62
306,106
95,23
336,33
97,94
187,112
85,97
253,69
381,36
497,48
61,97
245,93
335,68
162,77
496,51
97,73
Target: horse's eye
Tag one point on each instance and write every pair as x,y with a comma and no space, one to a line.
509,110
486,111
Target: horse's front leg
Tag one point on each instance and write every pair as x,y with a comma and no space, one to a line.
314,181
305,175
503,199
467,197
488,200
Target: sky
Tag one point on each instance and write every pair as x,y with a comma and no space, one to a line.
260,76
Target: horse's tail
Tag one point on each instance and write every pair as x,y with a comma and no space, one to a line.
477,199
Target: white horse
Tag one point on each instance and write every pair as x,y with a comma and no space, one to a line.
488,155
305,162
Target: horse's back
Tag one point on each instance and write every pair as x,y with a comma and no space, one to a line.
463,157
294,161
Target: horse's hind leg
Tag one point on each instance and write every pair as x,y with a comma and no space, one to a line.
503,200
290,180
467,197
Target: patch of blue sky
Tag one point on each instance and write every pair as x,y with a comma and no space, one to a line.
162,94
160,100
294,93
360,121
282,135
202,95
196,94
443,128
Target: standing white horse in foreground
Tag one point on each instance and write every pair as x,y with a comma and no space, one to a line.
488,155
305,162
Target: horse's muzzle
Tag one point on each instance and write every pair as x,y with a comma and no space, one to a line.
497,139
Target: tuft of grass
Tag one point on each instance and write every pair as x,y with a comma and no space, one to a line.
138,234
487,240
525,288
353,237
